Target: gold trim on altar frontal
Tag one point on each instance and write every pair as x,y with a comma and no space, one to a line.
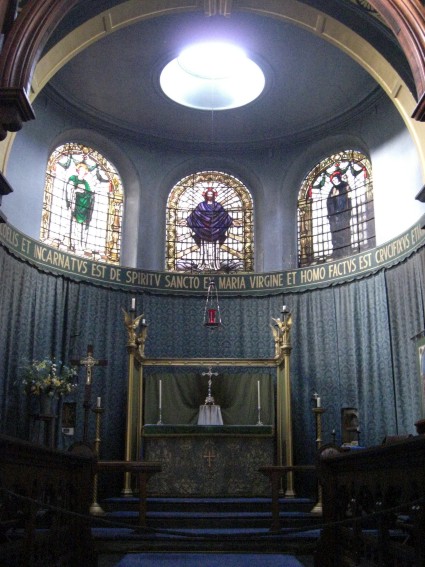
281,332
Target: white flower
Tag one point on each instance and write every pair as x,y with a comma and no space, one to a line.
44,376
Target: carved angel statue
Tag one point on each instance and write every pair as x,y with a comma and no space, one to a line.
141,339
276,339
131,325
282,332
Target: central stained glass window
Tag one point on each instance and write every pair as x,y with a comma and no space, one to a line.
209,225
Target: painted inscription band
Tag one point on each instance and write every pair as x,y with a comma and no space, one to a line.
60,263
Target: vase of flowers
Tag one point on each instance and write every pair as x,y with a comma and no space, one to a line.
48,380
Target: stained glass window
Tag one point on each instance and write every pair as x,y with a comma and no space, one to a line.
83,203
210,225
335,209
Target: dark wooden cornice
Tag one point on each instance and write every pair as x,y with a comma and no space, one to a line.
5,188
419,113
406,18
19,56
7,16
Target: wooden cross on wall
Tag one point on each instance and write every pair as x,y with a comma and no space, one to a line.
89,362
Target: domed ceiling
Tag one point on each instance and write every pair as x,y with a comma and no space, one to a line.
311,86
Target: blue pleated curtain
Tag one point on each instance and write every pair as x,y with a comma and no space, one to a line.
351,343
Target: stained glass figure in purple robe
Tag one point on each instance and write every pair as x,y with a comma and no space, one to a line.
209,222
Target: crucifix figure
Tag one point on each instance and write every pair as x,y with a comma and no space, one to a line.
89,362
209,399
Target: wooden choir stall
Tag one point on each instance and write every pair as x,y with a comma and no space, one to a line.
205,449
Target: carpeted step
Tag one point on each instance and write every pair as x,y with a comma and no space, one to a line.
208,504
207,560
241,520
206,524
250,540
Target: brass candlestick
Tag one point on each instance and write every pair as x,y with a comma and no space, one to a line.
95,508
318,411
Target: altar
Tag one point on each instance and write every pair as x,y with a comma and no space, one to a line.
211,423
209,460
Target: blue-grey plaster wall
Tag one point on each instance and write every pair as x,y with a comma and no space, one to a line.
272,175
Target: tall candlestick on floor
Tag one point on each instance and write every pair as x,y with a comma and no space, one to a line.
95,508
318,411
259,422
160,403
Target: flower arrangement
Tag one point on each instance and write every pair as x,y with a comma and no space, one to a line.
48,377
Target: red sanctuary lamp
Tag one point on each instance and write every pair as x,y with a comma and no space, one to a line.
212,317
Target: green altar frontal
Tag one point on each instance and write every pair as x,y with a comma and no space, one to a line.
209,461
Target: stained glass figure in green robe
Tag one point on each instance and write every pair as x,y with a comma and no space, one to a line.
80,199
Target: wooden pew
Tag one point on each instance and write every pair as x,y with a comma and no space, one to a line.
373,506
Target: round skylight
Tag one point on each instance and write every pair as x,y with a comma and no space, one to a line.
212,76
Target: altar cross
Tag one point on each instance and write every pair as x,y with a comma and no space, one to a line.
210,373
209,399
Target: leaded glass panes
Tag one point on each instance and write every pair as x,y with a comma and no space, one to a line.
210,225
83,203
335,209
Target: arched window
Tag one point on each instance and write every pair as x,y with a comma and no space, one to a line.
209,224
83,203
335,209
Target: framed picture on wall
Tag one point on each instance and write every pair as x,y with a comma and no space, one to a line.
420,354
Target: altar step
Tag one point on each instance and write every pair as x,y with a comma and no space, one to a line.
230,524
243,513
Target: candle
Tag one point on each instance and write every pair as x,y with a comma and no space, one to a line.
98,403
133,303
160,394
258,393
318,402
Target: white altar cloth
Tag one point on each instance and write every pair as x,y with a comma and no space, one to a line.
210,415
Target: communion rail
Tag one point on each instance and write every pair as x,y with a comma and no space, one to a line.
45,497
373,506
